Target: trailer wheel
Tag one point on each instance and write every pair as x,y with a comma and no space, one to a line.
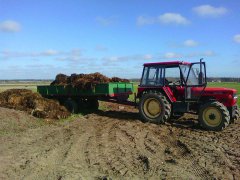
93,104
214,116
155,108
122,98
71,105
236,116
88,104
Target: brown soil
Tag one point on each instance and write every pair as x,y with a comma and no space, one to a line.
33,103
85,81
115,144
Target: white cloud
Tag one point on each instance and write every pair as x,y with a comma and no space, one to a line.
10,26
172,55
172,18
19,54
49,52
209,11
144,20
190,43
236,38
113,60
208,53
147,57
105,21
167,18
101,48
74,56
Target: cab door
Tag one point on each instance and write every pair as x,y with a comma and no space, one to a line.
194,80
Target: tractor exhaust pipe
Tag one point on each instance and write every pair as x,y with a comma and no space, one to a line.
200,76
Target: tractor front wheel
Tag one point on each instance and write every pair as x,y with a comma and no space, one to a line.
155,108
236,116
214,116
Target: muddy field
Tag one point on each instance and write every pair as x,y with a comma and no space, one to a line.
114,144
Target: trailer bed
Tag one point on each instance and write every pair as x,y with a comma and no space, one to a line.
104,89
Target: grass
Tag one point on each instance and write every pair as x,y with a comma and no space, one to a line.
22,85
18,86
233,85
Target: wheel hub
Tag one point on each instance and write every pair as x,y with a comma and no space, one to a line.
152,108
212,116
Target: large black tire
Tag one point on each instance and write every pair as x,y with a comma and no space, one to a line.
122,98
236,116
88,104
214,116
154,107
71,106
93,104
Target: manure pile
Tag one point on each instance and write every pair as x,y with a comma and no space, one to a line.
32,103
36,105
85,81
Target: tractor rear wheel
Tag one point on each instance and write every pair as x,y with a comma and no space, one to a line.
155,108
236,116
214,116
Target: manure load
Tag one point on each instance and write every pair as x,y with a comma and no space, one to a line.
32,103
84,81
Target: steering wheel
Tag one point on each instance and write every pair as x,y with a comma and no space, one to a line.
178,82
167,82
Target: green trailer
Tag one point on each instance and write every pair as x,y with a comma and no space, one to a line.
74,98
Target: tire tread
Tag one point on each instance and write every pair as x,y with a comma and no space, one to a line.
167,106
225,114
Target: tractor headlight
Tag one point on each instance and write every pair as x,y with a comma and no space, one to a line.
235,96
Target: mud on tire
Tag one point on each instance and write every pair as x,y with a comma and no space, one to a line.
214,116
154,107
236,116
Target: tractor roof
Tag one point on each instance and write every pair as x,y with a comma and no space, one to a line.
169,63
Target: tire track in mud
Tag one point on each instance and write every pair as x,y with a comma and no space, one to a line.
131,149
98,147
52,154
115,148
121,149
103,148
43,153
184,153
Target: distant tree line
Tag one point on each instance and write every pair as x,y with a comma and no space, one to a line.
223,79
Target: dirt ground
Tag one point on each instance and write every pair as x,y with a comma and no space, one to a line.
114,144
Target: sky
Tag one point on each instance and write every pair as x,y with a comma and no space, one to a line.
39,39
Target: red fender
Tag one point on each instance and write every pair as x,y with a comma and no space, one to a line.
169,93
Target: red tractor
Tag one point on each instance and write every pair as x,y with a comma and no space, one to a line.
170,89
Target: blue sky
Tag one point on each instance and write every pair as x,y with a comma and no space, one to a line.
39,39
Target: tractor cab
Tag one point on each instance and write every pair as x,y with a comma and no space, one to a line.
170,89
176,78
